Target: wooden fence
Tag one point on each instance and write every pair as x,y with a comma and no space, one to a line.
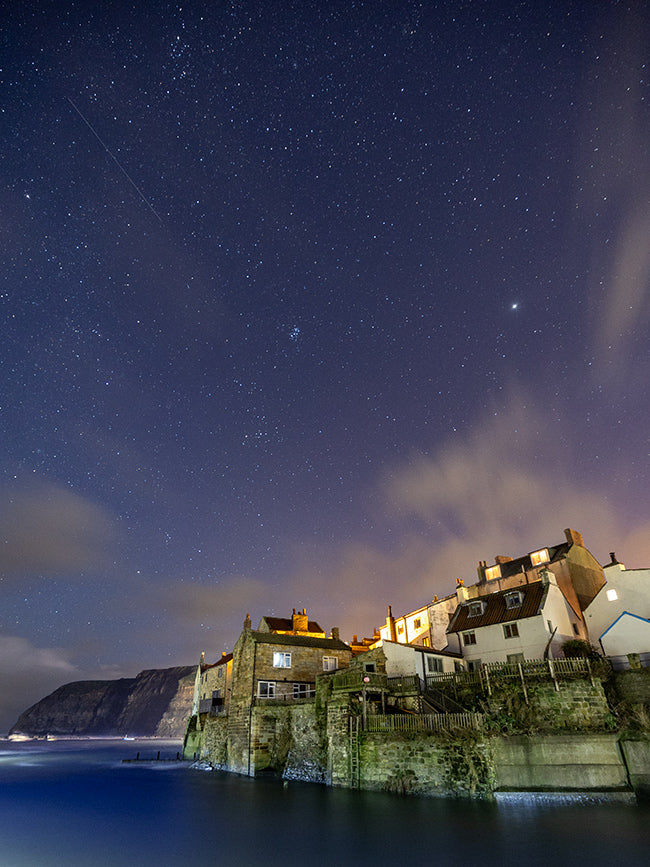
435,722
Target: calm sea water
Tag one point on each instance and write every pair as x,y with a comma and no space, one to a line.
75,803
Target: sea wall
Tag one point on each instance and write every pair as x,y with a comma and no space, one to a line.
559,763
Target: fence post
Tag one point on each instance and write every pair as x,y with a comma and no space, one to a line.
551,669
523,681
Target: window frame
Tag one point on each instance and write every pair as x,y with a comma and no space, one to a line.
327,660
281,659
469,639
510,630
269,686
475,608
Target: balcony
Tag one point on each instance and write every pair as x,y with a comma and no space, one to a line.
355,681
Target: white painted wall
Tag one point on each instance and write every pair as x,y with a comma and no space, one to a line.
405,659
629,634
632,588
534,633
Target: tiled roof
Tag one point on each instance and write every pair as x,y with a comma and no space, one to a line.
495,611
299,641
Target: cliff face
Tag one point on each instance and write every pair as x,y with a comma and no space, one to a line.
155,703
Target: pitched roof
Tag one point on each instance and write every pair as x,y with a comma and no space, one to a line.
299,640
495,610
285,624
524,564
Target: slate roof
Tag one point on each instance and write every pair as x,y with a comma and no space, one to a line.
286,624
524,564
495,611
299,641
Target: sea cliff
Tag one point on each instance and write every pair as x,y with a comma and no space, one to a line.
155,703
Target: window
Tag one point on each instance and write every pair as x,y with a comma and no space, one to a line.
425,642
469,638
281,660
510,630
514,658
330,663
220,674
475,609
539,557
434,664
493,572
612,595
400,627
417,624
576,630
266,689
474,665
513,600
369,666
301,690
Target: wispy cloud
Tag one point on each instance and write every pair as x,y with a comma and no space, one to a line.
47,529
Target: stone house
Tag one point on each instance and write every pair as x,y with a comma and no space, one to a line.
283,665
528,621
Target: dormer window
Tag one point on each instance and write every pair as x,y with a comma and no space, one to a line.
475,609
493,572
539,557
513,600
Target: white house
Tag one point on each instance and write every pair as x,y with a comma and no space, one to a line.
525,622
627,591
403,660
629,633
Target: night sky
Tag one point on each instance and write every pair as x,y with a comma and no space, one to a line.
309,304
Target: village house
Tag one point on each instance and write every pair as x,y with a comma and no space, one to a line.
531,621
284,665
577,574
618,616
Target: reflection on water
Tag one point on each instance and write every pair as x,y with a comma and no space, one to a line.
76,803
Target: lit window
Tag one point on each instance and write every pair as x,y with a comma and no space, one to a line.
510,630
469,638
434,664
513,600
539,557
612,595
417,623
281,660
266,689
330,663
493,572
425,642
475,609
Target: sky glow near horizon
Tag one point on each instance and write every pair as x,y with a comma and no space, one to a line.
310,305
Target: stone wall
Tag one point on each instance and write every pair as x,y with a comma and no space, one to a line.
559,763
632,686
214,743
577,705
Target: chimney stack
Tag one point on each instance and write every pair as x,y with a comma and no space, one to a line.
573,537
335,633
